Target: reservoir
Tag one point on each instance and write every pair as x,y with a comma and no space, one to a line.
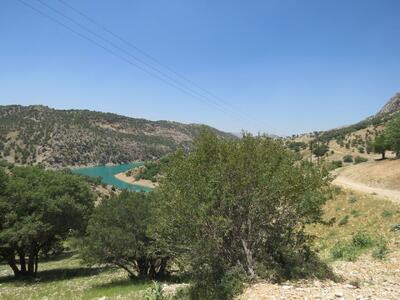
107,175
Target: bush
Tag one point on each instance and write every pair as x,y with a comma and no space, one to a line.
348,158
387,213
336,164
218,200
362,240
353,199
381,250
344,251
344,220
351,250
118,235
359,160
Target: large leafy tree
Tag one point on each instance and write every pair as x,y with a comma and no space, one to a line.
240,205
38,209
118,235
381,145
393,135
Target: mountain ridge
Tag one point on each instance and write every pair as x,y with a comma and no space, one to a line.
56,138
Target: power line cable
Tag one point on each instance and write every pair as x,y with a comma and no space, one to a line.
152,58
176,84
112,52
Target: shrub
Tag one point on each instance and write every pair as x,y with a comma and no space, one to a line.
344,220
359,160
381,250
351,250
219,199
118,235
362,240
344,251
353,199
336,164
337,190
387,213
348,158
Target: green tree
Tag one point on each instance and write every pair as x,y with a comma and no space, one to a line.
319,149
381,145
38,209
118,235
393,135
240,207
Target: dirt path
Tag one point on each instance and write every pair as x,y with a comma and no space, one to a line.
361,187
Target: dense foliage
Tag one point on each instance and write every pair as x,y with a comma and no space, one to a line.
393,135
38,209
152,169
237,209
381,145
118,235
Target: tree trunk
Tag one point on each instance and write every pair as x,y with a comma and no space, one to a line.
22,261
143,267
36,263
11,262
163,267
31,264
249,259
383,155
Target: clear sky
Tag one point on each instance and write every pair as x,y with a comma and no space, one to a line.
290,66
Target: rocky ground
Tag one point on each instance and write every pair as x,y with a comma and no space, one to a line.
364,279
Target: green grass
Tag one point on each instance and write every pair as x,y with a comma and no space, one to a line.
65,278
364,225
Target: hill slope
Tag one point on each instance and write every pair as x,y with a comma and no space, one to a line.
352,140
59,138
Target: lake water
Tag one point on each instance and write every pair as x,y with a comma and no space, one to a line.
107,175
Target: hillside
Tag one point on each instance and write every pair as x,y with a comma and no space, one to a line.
60,138
354,140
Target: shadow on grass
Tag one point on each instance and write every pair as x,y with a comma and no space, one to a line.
55,275
58,257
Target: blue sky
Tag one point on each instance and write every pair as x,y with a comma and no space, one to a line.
282,66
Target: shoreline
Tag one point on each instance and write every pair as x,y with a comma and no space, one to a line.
131,180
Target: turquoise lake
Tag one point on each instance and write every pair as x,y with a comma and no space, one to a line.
107,175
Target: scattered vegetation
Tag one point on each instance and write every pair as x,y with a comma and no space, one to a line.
360,159
348,158
64,138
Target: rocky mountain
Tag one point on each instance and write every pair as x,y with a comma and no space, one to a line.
393,105
59,138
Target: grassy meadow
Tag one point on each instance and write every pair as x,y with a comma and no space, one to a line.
64,277
349,214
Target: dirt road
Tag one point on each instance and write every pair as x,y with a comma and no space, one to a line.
361,187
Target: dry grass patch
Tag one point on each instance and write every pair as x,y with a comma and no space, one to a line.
359,222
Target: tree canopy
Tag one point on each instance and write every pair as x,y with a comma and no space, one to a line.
239,206
393,134
381,145
38,209
118,235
